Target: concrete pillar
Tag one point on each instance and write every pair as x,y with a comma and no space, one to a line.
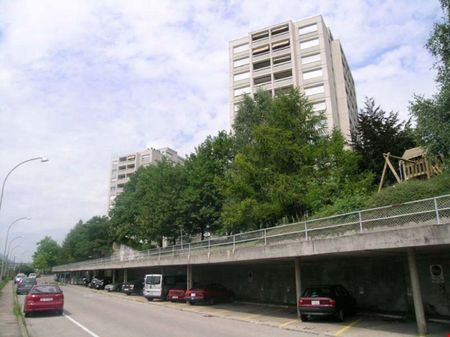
417,294
298,283
125,275
189,277
113,276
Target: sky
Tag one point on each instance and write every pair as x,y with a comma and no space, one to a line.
82,81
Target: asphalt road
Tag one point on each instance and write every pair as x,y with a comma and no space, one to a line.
87,313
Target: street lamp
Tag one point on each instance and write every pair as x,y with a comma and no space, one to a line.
42,159
7,255
7,260
6,240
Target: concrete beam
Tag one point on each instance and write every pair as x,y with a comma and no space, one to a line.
298,283
417,294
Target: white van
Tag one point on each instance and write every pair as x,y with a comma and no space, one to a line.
156,286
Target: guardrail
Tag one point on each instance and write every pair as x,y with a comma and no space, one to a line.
426,211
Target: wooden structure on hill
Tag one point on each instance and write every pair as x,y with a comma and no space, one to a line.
413,164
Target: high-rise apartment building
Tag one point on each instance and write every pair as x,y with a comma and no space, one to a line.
299,54
124,166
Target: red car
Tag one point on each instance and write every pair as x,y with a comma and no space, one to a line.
44,297
211,293
176,295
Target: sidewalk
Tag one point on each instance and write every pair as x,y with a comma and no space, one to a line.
9,326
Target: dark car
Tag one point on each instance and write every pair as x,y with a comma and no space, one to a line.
24,286
102,282
326,300
93,282
133,287
210,293
44,297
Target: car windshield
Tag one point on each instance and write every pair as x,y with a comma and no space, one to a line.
154,279
318,292
28,281
47,289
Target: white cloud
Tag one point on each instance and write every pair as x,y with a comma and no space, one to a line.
82,81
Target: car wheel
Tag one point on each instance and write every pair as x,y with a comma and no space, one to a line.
128,294
27,314
191,303
60,312
211,301
340,315
304,318
149,299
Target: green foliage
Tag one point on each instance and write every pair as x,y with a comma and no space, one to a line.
411,190
378,132
201,201
91,239
432,115
149,207
288,166
47,254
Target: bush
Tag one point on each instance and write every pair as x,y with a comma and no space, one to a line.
411,190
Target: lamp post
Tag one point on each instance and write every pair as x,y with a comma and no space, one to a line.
7,255
7,260
6,240
42,159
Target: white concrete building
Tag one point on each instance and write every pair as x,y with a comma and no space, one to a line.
123,167
300,54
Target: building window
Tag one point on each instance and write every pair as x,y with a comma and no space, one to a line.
123,159
307,29
242,91
319,89
260,36
283,90
261,50
281,59
262,79
309,44
310,58
280,45
312,74
240,48
319,106
261,65
282,75
241,62
280,30
242,76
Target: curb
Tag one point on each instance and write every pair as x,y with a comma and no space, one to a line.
20,319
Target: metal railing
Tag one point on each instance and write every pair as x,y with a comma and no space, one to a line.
419,212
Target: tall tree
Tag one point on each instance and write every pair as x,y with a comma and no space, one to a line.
47,254
378,132
201,201
432,115
291,166
91,239
148,208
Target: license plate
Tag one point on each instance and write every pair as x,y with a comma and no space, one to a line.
315,302
174,297
193,295
48,299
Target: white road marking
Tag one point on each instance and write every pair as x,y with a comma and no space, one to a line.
81,326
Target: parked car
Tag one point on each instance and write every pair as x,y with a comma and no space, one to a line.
157,286
211,293
24,286
44,297
32,275
18,277
326,300
133,287
101,283
114,286
93,282
177,294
